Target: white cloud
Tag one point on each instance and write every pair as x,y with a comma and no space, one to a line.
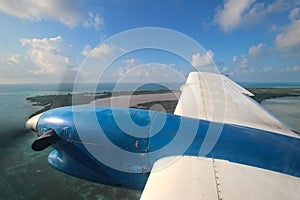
94,21
129,65
256,50
247,71
275,27
260,10
14,59
236,13
103,37
86,50
67,12
139,73
295,68
288,39
45,60
230,17
132,62
263,71
294,14
134,70
104,51
199,60
241,63
15,69
267,69
234,59
48,44
225,70
48,55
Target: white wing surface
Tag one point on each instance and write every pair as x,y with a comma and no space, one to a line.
216,98
206,178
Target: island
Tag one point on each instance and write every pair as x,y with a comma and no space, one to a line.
166,98
60,100
269,93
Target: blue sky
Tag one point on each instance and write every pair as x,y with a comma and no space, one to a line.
248,40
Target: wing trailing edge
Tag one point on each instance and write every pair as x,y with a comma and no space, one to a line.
186,177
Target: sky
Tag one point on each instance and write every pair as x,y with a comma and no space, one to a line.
63,40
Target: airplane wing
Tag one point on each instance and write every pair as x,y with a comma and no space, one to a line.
206,178
216,98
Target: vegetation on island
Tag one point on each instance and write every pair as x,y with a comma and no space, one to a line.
60,100
268,93
167,106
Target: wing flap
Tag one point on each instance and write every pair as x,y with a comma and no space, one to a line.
186,177
214,97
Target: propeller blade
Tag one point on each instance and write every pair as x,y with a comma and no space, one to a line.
45,140
32,122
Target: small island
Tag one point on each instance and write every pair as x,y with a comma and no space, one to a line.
169,104
60,100
269,93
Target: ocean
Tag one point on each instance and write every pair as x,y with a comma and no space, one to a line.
285,108
25,174
269,85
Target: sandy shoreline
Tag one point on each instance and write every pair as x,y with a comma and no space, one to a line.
134,100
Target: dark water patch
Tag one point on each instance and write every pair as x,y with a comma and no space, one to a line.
8,136
25,174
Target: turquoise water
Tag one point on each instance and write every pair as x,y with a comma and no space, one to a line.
270,85
285,108
14,112
25,174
